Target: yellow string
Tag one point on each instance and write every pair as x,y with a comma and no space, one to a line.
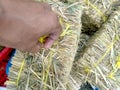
48,69
19,75
99,12
20,71
111,75
117,66
35,74
42,39
65,31
88,70
108,50
118,62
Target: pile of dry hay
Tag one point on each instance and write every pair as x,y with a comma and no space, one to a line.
98,61
49,69
95,13
99,64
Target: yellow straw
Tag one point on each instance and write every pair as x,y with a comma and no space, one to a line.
19,74
93,6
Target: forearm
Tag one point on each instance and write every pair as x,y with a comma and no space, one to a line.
1,11
1,21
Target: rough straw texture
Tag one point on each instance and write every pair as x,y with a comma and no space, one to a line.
96,12
50,69
17,64
100,62
98,57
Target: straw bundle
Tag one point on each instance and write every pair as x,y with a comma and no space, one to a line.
84,38
95,13
50,69
100,62
15,71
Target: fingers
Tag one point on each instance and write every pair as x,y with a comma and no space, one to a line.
49,42
36,48
54,33
32,48
52,38
46,6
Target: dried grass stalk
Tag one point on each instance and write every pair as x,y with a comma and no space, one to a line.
100,62
50,69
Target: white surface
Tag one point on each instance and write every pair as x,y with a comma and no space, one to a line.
118,89
3,88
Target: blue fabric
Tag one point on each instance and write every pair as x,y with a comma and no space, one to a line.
3,88
96,88
88,86
9,64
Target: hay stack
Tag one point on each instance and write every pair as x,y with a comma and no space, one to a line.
50,69
95,13
100,62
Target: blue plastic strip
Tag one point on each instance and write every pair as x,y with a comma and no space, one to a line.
95,88
9,64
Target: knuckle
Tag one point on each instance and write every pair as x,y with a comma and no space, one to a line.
60,28
54,20
55,17
46,6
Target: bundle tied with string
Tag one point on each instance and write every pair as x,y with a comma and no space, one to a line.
95,13
100,62
49,69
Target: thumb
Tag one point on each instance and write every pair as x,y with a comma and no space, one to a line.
51,39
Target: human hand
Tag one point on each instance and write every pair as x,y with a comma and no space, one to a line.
23,22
